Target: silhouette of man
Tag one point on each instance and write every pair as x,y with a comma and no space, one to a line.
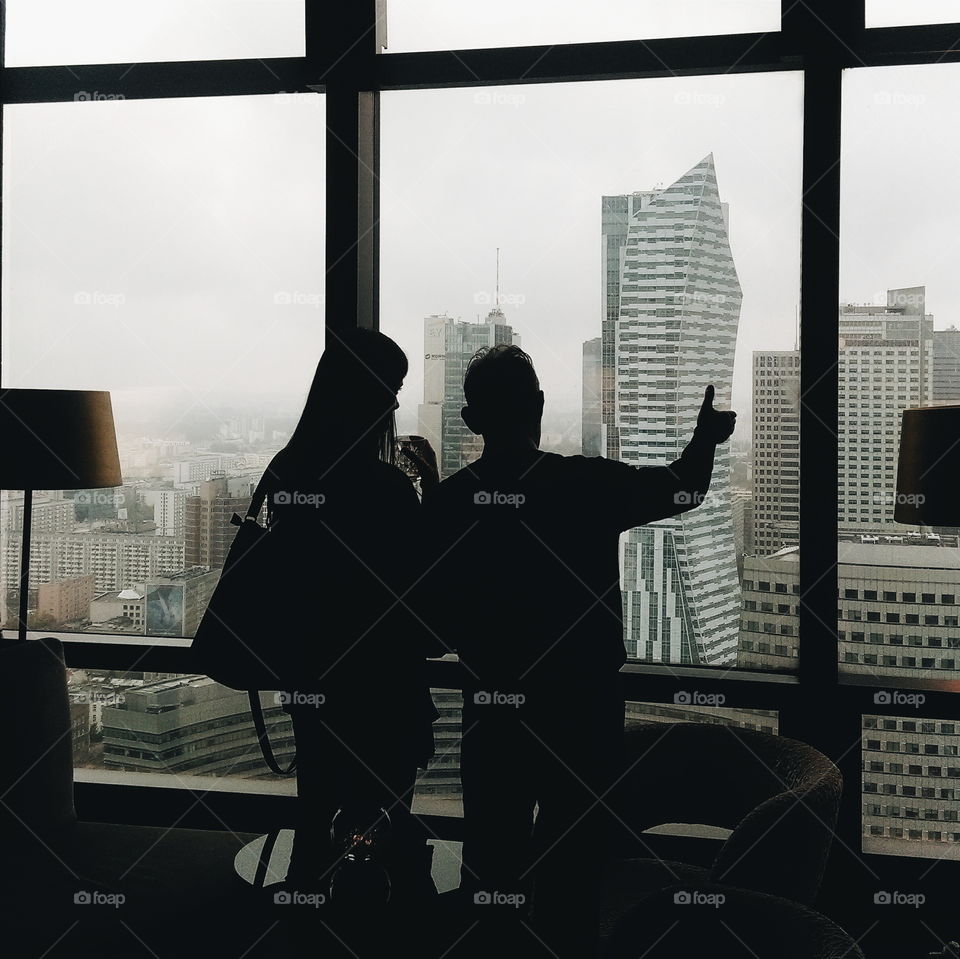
525,586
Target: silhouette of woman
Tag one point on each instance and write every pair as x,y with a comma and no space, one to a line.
347,518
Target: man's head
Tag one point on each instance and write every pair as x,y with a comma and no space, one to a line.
504,399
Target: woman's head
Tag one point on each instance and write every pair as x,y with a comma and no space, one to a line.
353,396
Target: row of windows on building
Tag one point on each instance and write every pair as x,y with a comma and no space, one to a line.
898,639
891,596
907,662
908,619
773,649
753,626
769,586
896,832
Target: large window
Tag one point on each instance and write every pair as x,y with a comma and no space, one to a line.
180,233
170,251
640,239
457,24
898,604
41,32
166,728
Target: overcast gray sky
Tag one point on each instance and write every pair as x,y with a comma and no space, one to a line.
157,245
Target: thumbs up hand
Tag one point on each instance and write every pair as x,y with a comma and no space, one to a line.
716,425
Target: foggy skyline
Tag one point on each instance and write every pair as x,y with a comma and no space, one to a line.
200,213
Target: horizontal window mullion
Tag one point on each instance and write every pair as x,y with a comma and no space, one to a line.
188,78
626,59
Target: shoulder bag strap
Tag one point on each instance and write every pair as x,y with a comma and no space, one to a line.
256,710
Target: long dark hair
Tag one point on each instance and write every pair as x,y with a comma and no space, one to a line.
351,399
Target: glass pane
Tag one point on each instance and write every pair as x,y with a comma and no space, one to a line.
459,24
438,790
911,801
896,13
170,252
647,234
898,585
46,32
154,728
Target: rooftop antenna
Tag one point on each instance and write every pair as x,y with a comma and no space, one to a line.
796,335
497,301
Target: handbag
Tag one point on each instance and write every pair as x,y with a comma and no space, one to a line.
238,642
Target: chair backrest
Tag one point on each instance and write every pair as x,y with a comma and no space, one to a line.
36,774
779,796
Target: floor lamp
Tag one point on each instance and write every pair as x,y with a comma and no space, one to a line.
54,439
928,471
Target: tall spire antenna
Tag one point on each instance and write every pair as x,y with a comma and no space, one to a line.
496,302
796,328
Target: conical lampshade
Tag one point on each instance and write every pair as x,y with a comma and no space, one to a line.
57,439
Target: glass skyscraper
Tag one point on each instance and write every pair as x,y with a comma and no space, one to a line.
678,310
448,346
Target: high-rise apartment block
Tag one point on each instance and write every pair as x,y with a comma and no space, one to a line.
209,533
898,611
946,365
448,346
886,365
591,416
776,450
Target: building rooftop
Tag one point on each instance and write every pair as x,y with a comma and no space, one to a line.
911,557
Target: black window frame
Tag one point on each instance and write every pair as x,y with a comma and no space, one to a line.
818,37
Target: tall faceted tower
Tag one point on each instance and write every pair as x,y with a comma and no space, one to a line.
676,332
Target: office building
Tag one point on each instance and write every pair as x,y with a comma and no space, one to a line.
776,450
190,724
910,800
886,365
591,417
209,533
899,611
66,600
770,617
448,346
169,510
676,333
946,365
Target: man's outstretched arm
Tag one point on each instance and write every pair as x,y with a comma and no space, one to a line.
656,492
